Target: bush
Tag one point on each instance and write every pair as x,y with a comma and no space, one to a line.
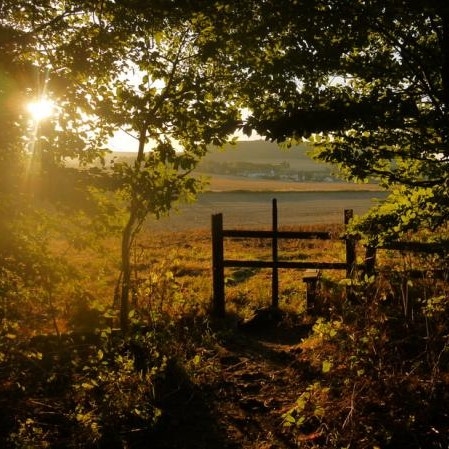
381,377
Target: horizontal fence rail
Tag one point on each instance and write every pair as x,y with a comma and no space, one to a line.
279,234
418,247
284,264
440,248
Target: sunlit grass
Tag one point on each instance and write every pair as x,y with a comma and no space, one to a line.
172,272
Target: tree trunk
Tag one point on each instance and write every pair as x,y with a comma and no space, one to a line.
127,240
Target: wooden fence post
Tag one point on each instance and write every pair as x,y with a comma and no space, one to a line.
350,247
274,247
218,304
370,261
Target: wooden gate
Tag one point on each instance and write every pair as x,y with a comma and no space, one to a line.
219,262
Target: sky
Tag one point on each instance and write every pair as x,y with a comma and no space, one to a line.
122,142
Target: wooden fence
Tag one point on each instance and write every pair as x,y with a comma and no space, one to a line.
219,263
440,248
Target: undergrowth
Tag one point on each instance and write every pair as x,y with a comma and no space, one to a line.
377,356
381,363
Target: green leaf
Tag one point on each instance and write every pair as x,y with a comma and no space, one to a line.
289,420
326,366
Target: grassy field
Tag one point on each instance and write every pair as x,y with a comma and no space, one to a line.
330,377
263,152
308,204
188,255
222,183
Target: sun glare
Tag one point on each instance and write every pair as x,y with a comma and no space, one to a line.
41,109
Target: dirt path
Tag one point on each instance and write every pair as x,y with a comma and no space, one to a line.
257,377
259,382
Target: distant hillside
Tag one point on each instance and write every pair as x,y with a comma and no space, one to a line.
265,160
259,159
260,152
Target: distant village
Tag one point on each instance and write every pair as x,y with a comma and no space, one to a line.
271,163
280,171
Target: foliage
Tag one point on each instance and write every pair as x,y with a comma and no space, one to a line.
36,283
380,373
94,388
116,66
113,392
90,393
366,82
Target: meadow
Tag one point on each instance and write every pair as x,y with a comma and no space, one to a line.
361,370
245,202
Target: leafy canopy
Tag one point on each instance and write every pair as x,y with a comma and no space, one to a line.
366,81
113,65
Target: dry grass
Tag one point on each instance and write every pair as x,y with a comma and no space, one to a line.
221,183
173,272
188,257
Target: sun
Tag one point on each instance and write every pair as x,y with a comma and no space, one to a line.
41,109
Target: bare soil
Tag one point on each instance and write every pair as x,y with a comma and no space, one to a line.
257,378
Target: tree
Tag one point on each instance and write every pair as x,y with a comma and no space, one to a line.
178,108
367,82
124,65
30,273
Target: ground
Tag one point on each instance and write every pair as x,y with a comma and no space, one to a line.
239,404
